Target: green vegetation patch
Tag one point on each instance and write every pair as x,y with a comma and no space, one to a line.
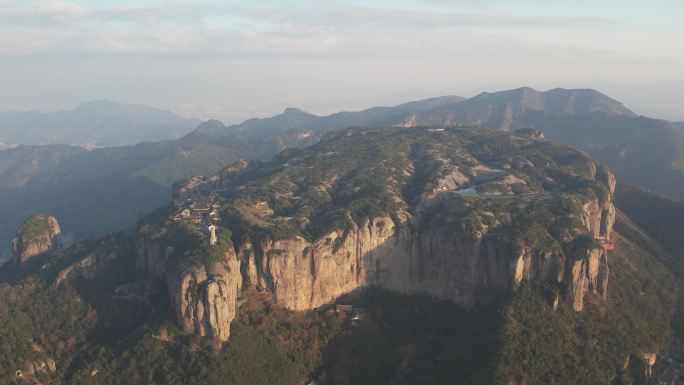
543,346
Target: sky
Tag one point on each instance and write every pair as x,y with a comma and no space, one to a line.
237,59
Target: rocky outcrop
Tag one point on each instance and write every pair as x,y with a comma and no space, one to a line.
598,214
640,366
205,298
39,234
47,365
608,211
588,272
248,267
87,267
30,372
202,280
530,132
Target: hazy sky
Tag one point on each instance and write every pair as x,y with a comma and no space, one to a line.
239,58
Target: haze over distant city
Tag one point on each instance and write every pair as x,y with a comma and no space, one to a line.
233,60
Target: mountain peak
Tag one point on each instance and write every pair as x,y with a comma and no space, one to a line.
96,123
431,102
557,100
294,111
524,91
211,125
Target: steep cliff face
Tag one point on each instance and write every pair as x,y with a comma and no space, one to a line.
588,272
248,267
39,234
466,269
205,298
203,280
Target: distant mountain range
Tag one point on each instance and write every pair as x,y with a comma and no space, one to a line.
298,120
506,110
509,110
642,151
99,123
92,192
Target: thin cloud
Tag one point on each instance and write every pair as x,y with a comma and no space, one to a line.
348,15
52,27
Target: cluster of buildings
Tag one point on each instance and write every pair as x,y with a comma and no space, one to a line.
348,312
202,212
199,210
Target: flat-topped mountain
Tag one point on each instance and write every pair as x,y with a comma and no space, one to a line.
557,100
101,123
507,110
463,215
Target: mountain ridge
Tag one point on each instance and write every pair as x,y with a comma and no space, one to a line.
297,119
556,100
99,123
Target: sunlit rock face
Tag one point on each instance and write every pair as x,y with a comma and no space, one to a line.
205,299
464,268
203,290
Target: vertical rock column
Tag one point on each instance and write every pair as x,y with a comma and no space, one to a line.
205,298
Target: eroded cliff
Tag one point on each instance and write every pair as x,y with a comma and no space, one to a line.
203,280
205,298
464,268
